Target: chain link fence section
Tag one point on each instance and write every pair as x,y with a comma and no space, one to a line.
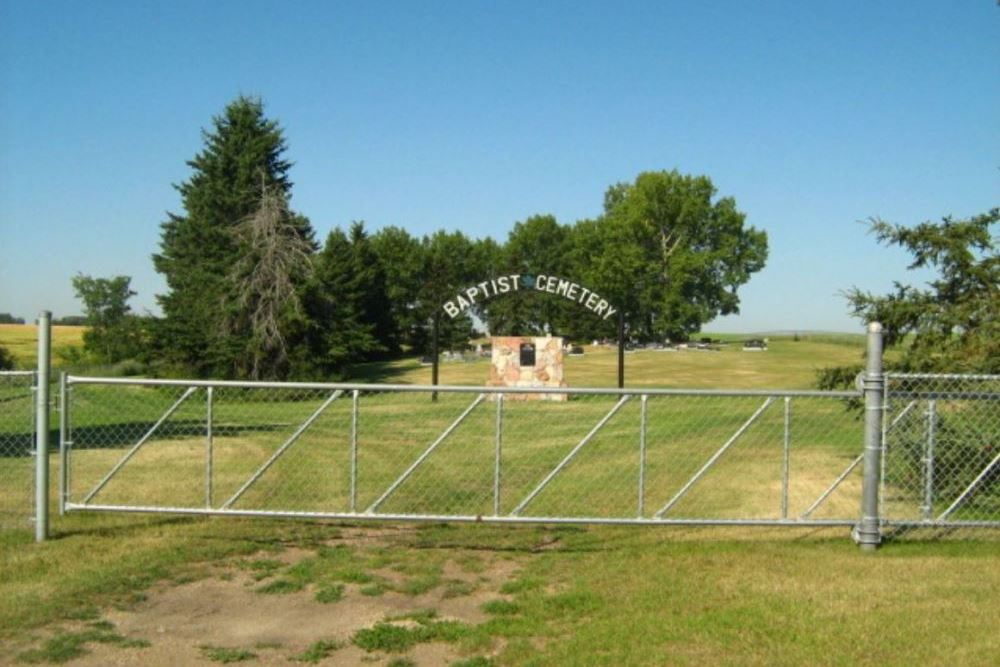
17,446
941,457
383,451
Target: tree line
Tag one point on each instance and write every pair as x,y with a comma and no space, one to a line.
252,293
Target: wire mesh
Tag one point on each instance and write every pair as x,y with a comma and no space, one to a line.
17,445
941,462
368,450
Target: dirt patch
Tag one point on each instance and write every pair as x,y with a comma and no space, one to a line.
367,536
226,611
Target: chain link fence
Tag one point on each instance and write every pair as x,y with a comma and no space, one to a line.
708,457
941,443
17,445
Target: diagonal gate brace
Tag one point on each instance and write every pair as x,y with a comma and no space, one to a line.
851,466
427,452
969,489
569,457
715,457
833,487
137,446
284,447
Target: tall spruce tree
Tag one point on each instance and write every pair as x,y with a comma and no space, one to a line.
400,256
374,305
242,153
349,319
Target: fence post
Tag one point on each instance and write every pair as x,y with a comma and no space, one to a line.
928,507
868,533
209,446
42,428
64,443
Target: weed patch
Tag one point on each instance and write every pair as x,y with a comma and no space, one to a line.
261,569
388,637
478,661
67,646
330,593
385,637
227,655
457,588
521,585
372,590
318,651
419,585
280,586
500,608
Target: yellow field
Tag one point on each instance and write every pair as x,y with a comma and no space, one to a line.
22,341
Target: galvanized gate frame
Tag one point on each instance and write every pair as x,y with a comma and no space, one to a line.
516,515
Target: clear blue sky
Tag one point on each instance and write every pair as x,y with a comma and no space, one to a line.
474,115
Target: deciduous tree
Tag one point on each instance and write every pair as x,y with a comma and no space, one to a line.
670,253
113,332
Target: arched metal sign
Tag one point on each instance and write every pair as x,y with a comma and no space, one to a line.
515,282
465,299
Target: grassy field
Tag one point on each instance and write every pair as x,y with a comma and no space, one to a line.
133,589
787,364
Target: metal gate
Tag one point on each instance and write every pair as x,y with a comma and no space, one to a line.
356,451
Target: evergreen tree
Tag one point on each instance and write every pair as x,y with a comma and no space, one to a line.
450,263
198,248
950,325
348,315
401,257
373,305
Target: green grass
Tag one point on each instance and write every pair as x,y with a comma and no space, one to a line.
227,655
330,593
66,646
389,637
279,586
737,595
401,662
501,607
478,661
386,637
319,651
786,364
641,596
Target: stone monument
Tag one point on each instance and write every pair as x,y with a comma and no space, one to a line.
527,361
